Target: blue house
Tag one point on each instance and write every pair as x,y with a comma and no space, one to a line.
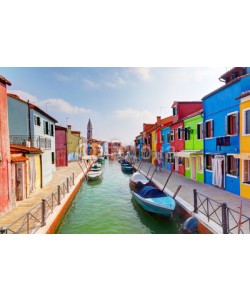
165,143
221,130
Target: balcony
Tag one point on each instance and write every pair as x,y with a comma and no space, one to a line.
35,141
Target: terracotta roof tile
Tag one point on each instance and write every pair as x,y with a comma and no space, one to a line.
24,149
242,95
4,80
18,159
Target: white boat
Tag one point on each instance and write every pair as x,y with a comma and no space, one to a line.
96,167
94,175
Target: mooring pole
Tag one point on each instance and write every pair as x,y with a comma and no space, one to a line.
153,174
148,171
167,181
177,191
224,218
59,195
43,212
140,166
195,201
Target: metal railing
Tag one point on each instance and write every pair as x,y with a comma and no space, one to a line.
36,217
33,141
230,220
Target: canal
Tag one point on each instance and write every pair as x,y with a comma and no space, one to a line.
106,206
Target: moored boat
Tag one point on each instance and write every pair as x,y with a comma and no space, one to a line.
126,167
138,181
94,175
154,200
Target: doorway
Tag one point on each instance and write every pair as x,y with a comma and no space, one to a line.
193,161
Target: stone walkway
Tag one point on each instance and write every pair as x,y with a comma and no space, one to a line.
22,207
188,185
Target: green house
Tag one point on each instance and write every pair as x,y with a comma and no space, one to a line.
194,147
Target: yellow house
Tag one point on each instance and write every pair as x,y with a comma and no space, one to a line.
244,155
153,145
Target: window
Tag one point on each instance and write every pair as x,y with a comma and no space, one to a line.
175,111
246,171
187,163
171,157
162,138
37,120
46,127
199,131
172,135
209,126
247,121
51,129
187,133
179,133
53,158
168,137
209,161
200,164
180,160
232,166
232,124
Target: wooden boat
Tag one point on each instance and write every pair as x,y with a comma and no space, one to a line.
101,159
96,167
154,200
138,181
126,167
94,175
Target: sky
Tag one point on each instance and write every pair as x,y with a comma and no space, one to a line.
117,100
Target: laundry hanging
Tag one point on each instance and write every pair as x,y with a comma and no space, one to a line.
217,172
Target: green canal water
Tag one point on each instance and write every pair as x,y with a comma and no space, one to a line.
106,206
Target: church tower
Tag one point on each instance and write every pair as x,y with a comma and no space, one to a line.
89,130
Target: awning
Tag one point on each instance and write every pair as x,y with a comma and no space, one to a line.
242,156
187,153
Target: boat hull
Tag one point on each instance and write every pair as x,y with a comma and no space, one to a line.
152,207
94,175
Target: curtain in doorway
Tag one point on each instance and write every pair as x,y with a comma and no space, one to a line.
217,172
32,173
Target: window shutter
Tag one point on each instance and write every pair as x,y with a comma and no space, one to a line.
205,130
44,127
226,125
212,128
237,123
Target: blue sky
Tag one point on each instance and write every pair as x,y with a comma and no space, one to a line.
118,100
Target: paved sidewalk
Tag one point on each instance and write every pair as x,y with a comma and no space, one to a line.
24,206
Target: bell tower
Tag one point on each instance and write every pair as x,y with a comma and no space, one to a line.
89,130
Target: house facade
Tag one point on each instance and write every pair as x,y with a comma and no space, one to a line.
61,146
177,138
32,127
221,131
244,156
5,167
164,141
193,153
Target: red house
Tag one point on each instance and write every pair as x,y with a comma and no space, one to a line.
61,146
5,167
181,110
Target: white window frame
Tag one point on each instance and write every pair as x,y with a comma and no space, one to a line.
187,159
210,120
36,116
244,122
172,137
178,133
201,123
175,107
226,171
237,126
189,134
242,174
202,165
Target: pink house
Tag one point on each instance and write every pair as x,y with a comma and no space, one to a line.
5,164
61,146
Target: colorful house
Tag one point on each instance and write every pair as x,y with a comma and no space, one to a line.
74,144
244,155
221,130
61,146
177,142
163,139
30,126
5,199
193,153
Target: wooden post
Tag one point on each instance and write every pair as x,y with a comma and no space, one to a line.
148,171
59,195
167,181
67,185
153,174
43,212
73,178
224,218
177,191
195,201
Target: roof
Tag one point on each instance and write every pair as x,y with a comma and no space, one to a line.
15,159
185,102
32,106
225,86
75,131
57,127
4,80
223,76
242,95
23,149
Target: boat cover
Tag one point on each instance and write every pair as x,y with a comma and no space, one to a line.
151,192
138,177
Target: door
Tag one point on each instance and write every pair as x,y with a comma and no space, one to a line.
176,164
193,159
19,181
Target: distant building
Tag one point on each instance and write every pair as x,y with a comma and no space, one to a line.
89,130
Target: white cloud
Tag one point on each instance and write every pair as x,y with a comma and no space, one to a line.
62,77
90,83
116,82
57,105
142,73
143,116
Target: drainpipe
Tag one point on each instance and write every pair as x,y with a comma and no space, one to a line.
41,171
29,121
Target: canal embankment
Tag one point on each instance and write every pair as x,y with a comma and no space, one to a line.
217,210
42,211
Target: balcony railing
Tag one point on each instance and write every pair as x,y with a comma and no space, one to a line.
35,141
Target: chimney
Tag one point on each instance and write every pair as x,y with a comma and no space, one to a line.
69,127
158,120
